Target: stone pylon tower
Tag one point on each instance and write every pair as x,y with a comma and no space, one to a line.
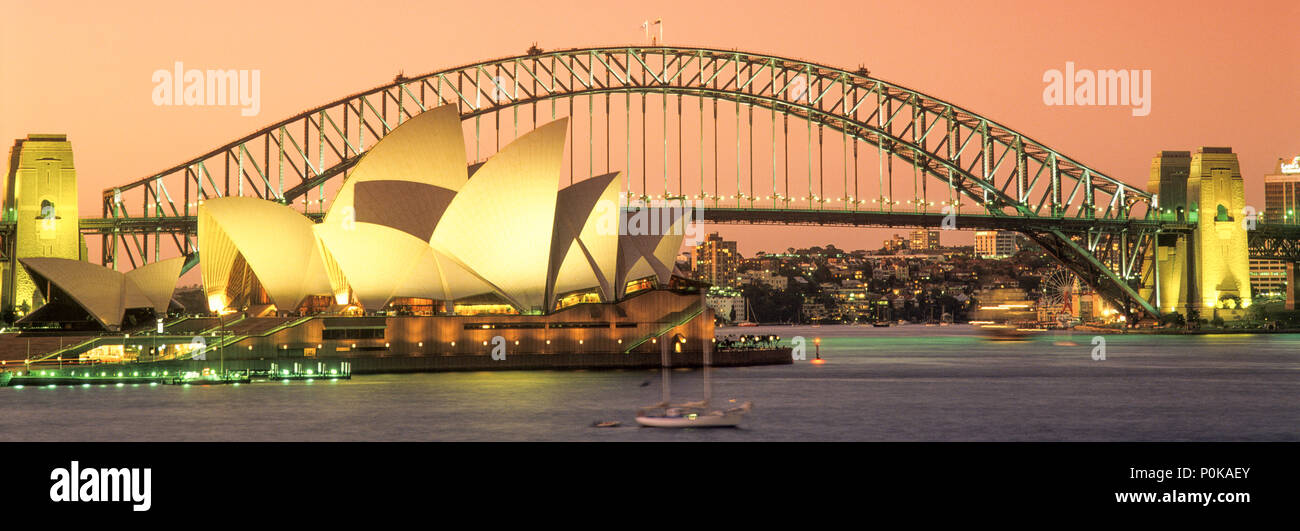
1222,255
40,198
1171,285
1211,268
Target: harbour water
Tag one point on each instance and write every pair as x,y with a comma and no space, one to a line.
902,383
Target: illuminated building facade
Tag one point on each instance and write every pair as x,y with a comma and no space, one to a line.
1268,278
716,261
924,240
727,303
995,244
894,244
1282,192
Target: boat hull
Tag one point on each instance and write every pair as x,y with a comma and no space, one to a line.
699,421
713,419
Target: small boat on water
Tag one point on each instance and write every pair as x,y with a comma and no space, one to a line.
698,414
880,324
692,415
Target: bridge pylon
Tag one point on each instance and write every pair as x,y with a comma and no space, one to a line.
40,201
1205,272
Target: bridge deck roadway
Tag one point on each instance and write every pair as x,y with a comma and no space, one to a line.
1267,240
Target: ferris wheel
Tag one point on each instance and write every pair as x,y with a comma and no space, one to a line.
1059,290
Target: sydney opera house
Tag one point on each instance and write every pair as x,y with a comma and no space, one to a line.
422,253
415,226
424,261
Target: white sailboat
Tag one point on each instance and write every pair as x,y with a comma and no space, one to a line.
698,414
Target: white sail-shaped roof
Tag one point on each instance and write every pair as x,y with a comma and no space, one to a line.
410,221
106,294
381,262
277,243
584,242
428,149
97,289
650,240
499,224
157,281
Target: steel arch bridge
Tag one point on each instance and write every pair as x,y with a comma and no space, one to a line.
952,161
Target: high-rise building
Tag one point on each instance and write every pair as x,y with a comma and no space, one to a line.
1268,277
1282,192
41,198
716,260
995,243
924,240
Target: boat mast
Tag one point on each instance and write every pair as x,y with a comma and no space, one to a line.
666,362
708,362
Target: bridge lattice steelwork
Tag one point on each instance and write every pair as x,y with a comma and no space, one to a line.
897,156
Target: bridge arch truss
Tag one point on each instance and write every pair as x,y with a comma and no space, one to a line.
960,162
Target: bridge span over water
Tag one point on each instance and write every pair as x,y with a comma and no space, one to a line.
746,137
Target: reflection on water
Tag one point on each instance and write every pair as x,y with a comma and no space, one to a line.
900,383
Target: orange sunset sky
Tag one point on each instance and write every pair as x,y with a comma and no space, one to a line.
1223,73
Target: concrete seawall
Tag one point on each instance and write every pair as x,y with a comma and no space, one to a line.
376,364
635,360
